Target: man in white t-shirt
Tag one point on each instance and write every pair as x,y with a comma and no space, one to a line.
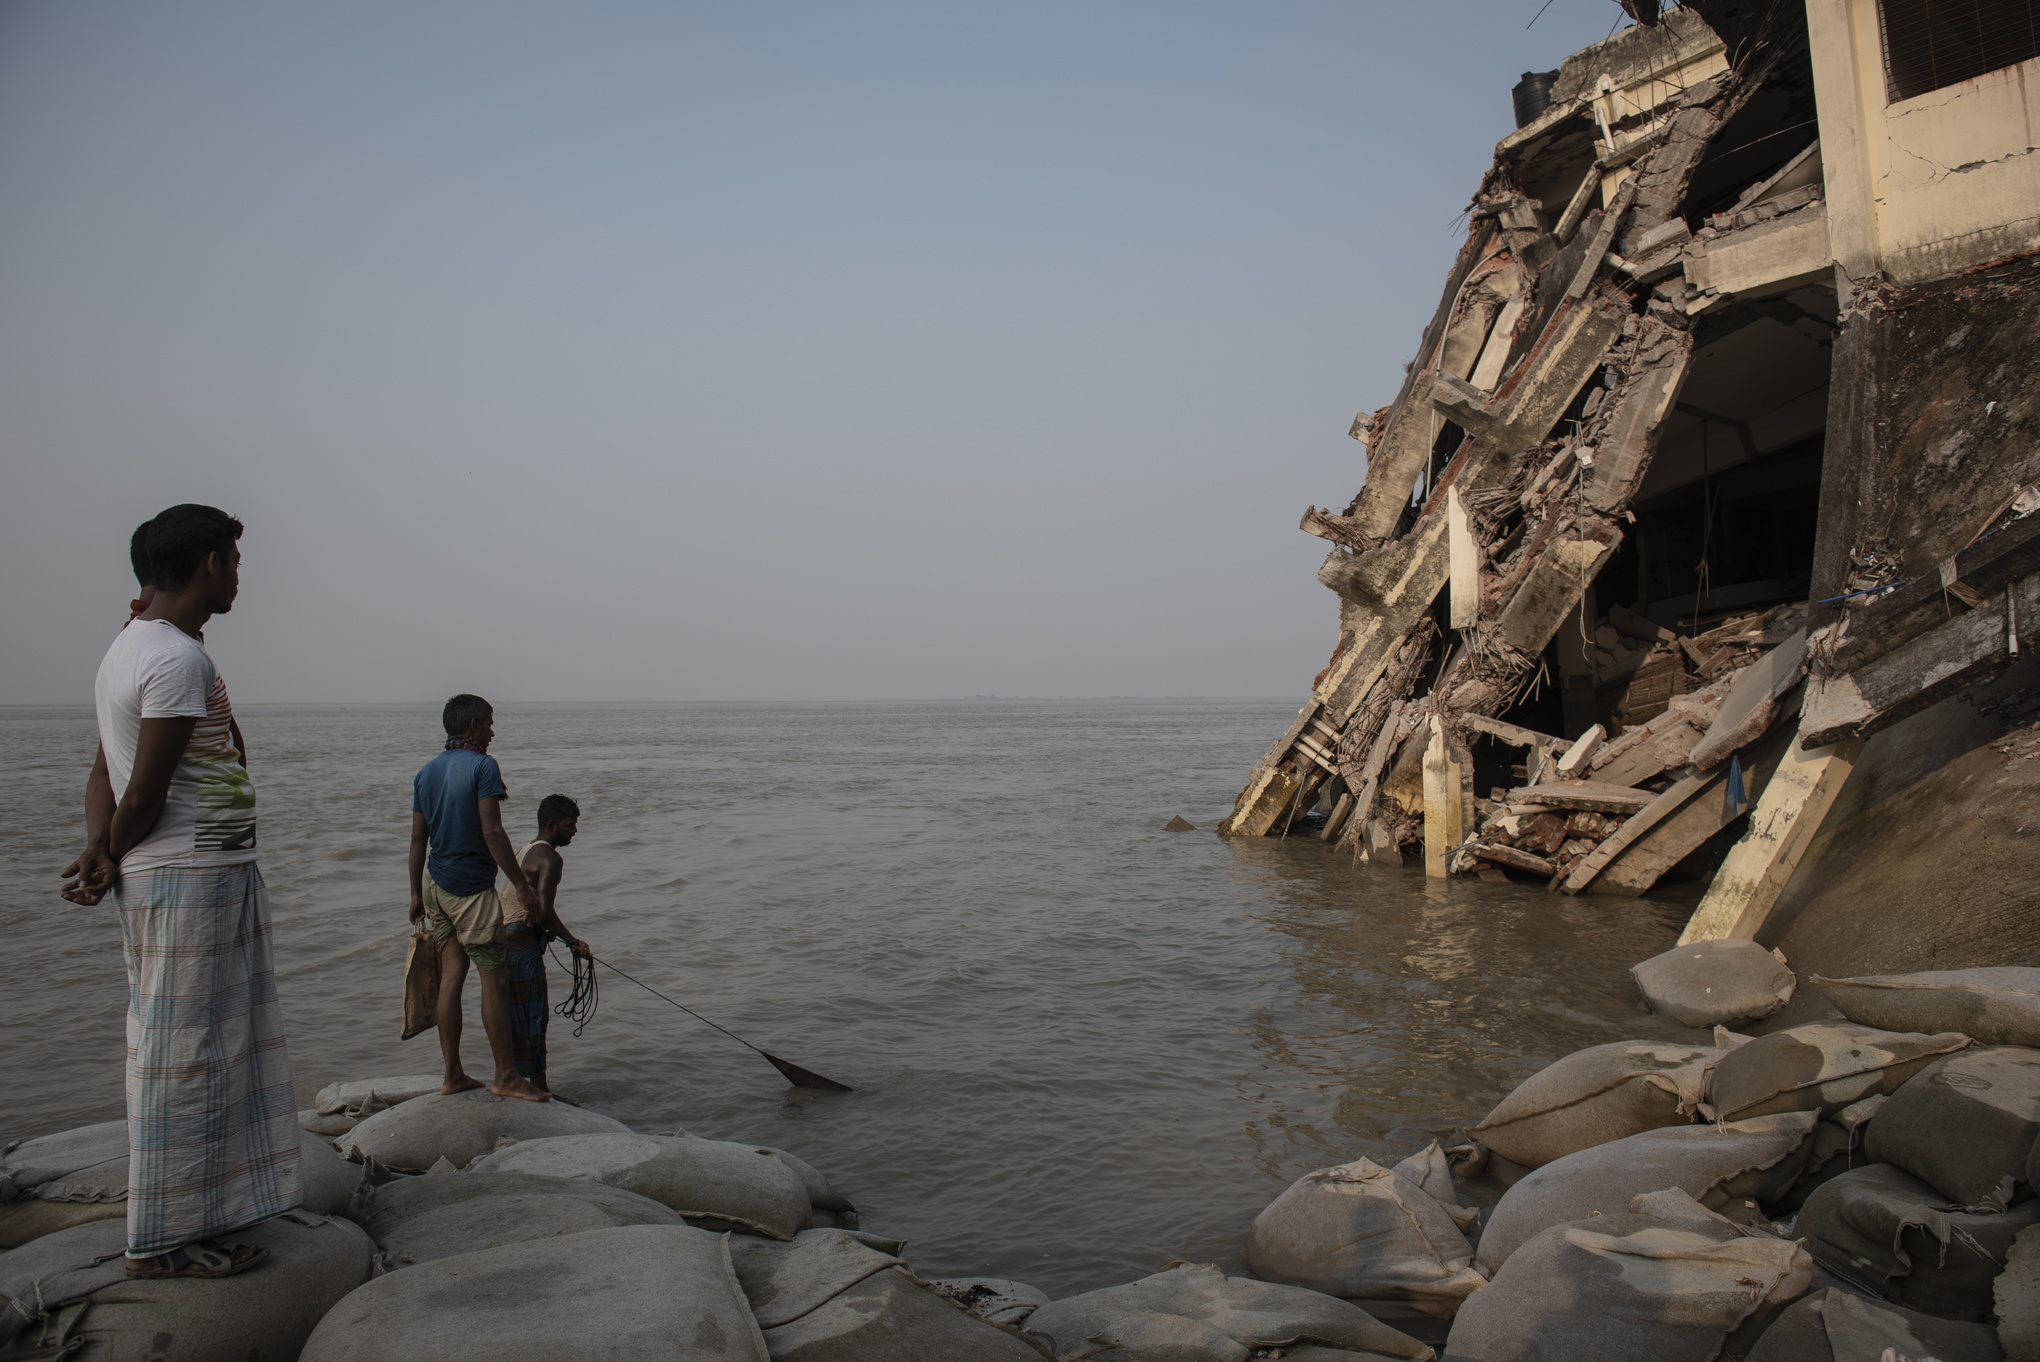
170,833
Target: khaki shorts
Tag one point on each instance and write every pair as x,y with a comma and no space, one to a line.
476,919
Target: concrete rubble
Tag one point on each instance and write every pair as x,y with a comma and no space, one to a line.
1698,478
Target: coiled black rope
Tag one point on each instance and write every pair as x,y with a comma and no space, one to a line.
584,997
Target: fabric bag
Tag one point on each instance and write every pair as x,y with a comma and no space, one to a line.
421,984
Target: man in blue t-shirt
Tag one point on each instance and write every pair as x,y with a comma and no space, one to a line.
457,846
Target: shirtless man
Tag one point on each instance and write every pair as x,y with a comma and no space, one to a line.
457,846
558,819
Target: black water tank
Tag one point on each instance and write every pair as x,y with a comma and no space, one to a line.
1533,95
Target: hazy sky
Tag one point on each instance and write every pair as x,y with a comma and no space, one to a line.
618,350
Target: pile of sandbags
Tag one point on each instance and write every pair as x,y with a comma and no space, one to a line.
837,1296
68,1293
1193,1311
1602,1093
1364,1232
715,1183
1665,1279
462,1127
78,1176
1713,983
438,1215
663,1292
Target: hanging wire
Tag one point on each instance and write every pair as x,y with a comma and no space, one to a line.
584,997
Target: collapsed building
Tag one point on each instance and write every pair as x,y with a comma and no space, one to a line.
1714,463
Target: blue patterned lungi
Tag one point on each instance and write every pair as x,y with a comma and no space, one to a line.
525,968
212,1114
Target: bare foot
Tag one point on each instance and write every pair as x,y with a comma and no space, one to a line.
519,1087
461,1084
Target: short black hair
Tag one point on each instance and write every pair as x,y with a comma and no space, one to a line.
166,551
463,712
556,809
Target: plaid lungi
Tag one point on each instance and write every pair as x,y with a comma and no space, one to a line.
525,967
212,1113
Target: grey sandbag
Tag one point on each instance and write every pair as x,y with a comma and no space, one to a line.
1626,1286
732,1186
647,1292
461,1127
311,1120
437,1215
1821,1066
1965,1125
85,1192
367,1096
1709,983
1361,1230
819,1193
890,1316
70,1290
2016,1296
1836,1326
1602,1093
784,1281
998,1300
1714,1164
1889,1233
1255,1314
1996,1006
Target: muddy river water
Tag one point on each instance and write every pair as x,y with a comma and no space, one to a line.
1083,1046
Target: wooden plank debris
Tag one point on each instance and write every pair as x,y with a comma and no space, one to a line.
1590,795
1781,827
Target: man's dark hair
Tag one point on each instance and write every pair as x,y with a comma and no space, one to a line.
556,809
138,555
463,712
165,552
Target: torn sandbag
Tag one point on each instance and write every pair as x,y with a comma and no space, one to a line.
1255,1314
1360,1230
1997,1006
1627,1286
1964,1125
461,1127
98,1191
1431,1169
438,1215
892,1314
997,1300
726,1186
1821,1066
647,1292
1717,1165
1709,983
1836,1326
69,1294
1592,1096
367,1096
1885,1230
